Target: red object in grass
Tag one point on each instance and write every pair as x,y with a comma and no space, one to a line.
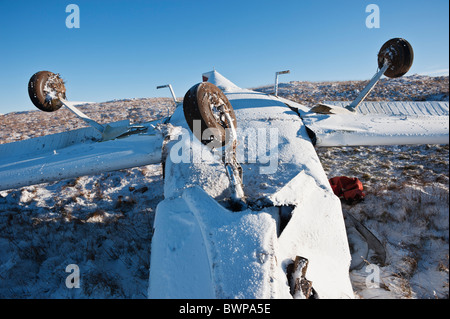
350,189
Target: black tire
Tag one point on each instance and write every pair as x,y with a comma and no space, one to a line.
38,86
200,104
400,55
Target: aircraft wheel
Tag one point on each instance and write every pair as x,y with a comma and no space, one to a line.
207,104
44,89
399,53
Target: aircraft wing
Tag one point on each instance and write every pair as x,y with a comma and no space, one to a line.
74,153
380,123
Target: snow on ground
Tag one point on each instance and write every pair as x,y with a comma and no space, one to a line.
104,223
101,223
406,207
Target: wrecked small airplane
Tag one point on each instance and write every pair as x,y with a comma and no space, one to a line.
248,211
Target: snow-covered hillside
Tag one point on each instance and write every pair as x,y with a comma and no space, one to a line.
408,88
104,223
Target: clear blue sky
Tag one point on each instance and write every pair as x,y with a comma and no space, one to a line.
124,49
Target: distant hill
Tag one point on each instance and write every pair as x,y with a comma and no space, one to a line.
408,88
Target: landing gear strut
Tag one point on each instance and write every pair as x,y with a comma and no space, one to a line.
48,93
206,103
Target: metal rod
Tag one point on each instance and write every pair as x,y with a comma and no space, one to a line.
231,164
276,79
171,91
364,93
81,115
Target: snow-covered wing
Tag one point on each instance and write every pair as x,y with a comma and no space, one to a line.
72,154
381,123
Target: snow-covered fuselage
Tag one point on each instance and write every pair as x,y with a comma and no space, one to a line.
201,249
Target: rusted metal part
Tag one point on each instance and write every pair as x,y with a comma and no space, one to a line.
296,273
399,54
321,108
45,88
